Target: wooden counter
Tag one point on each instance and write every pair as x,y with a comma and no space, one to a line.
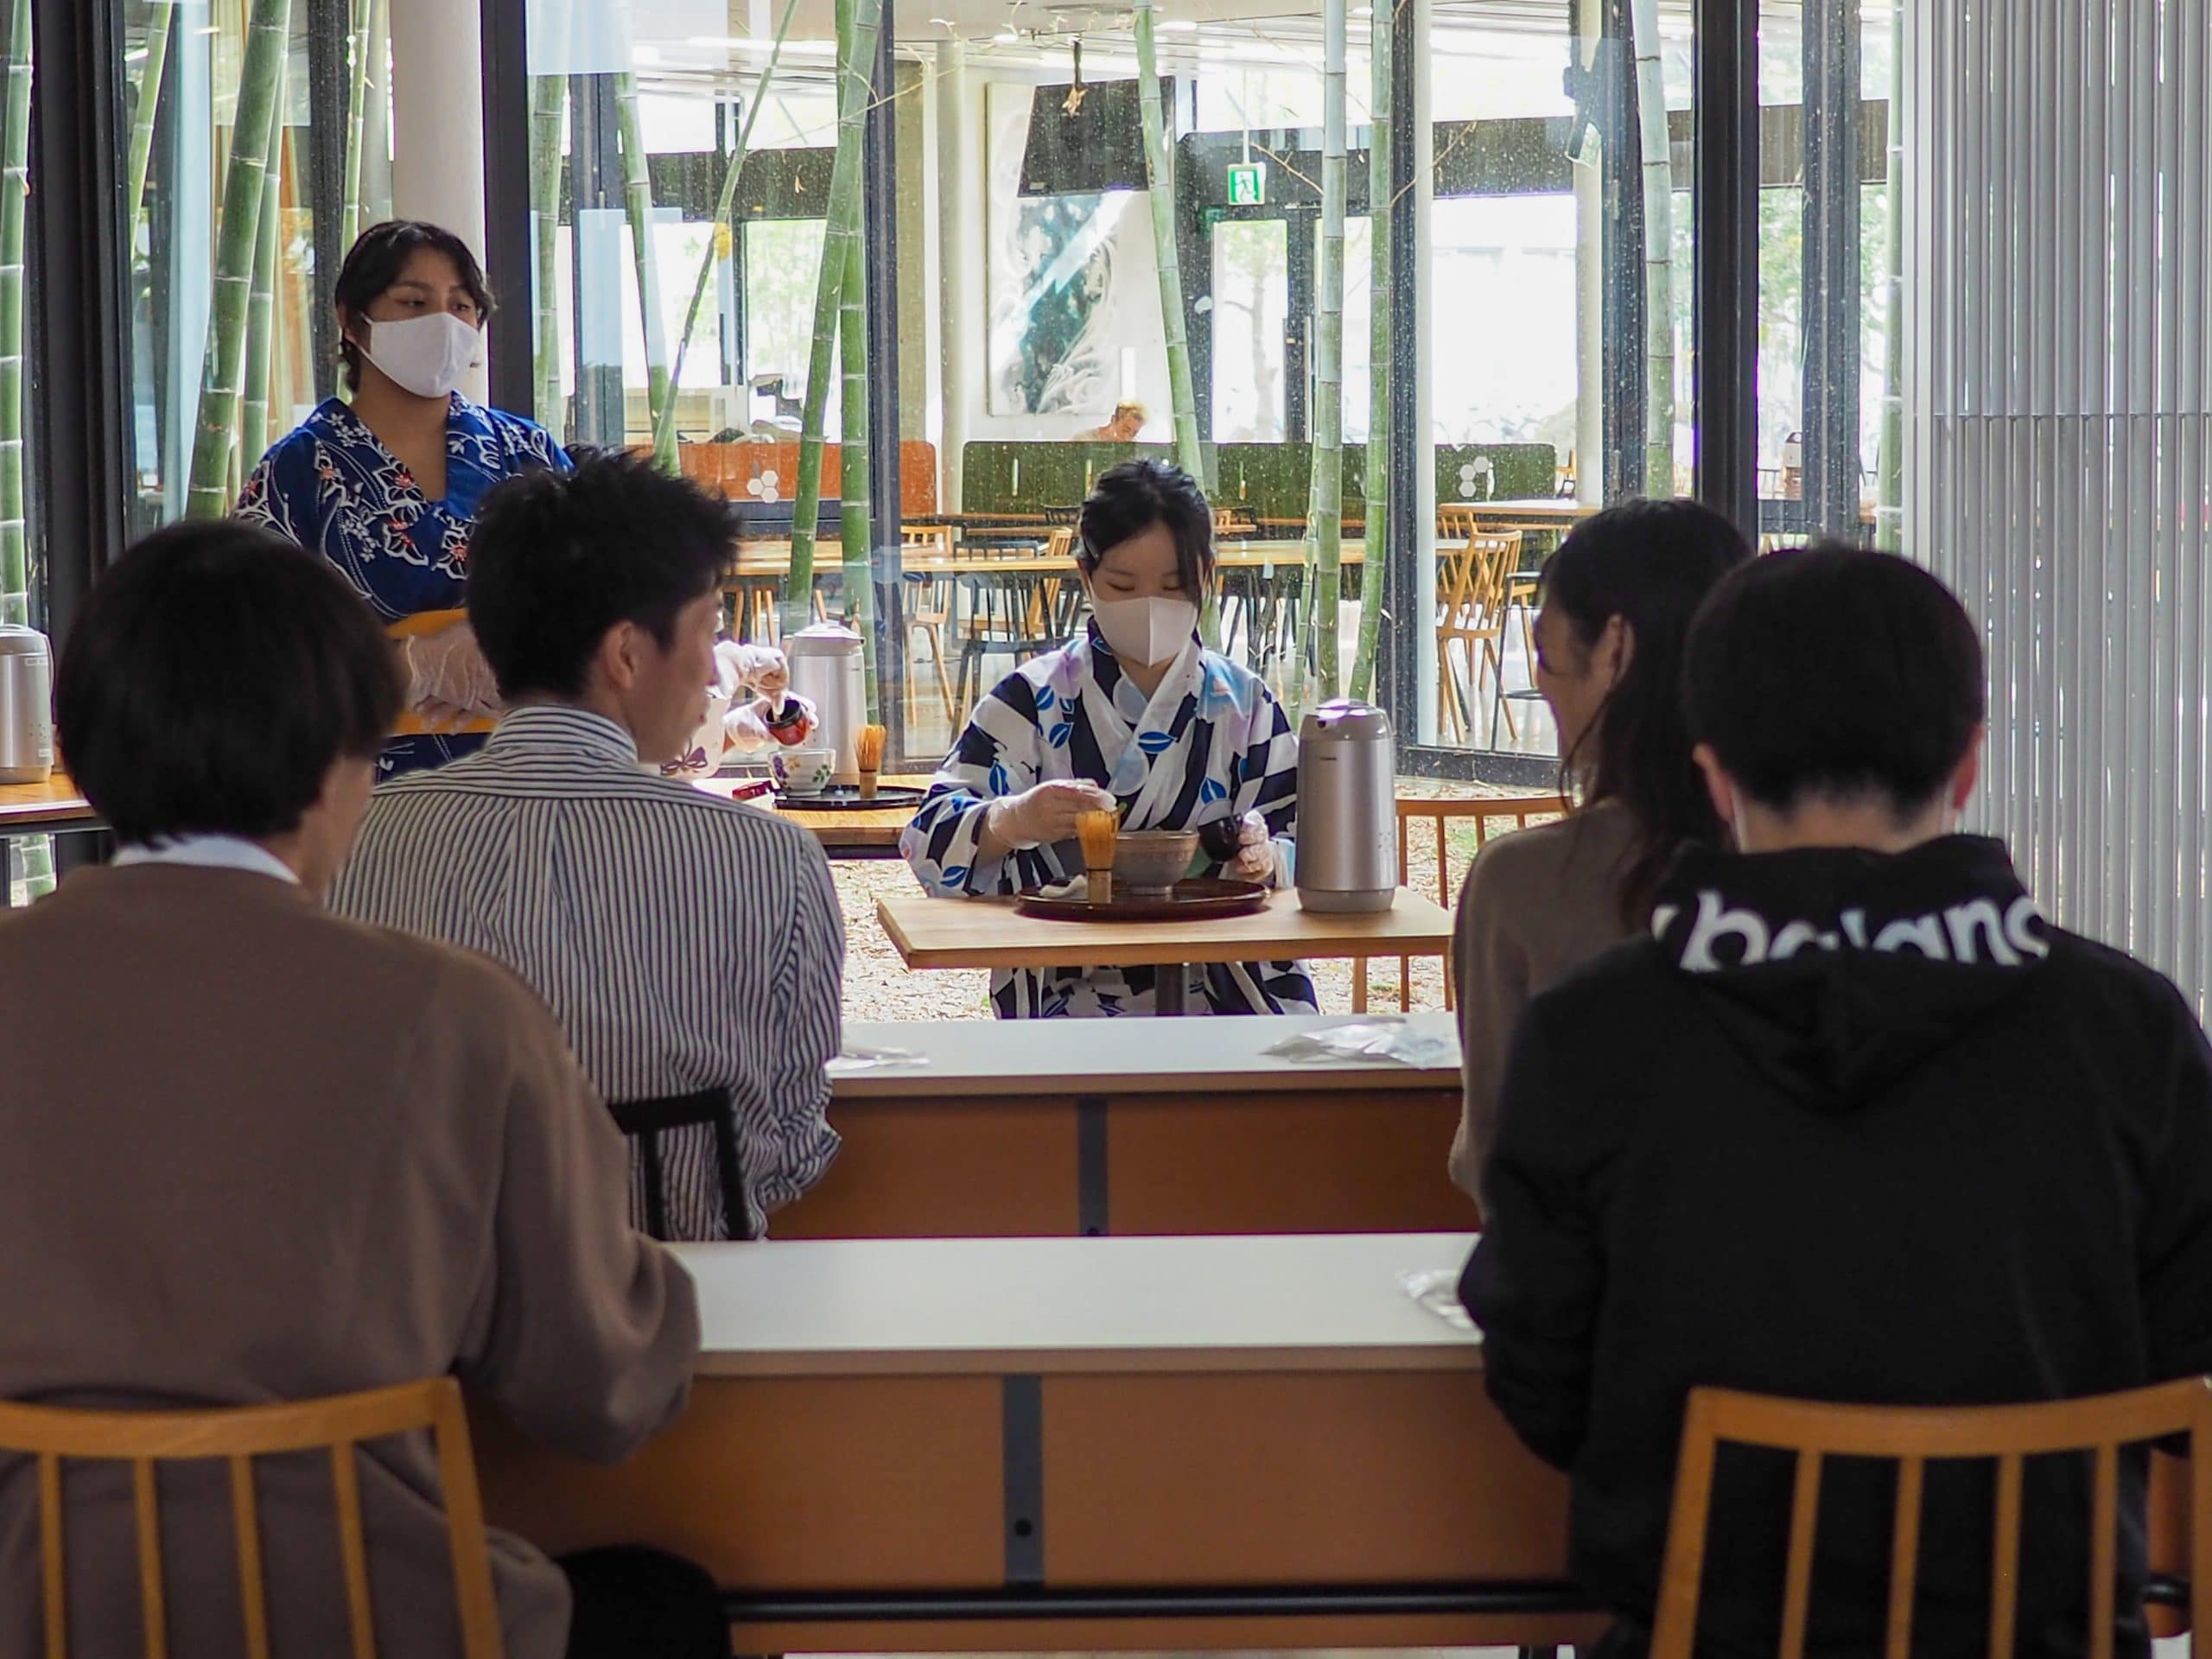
1093,1444
1038,1128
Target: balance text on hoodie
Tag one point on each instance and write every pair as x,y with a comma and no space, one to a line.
1849,1127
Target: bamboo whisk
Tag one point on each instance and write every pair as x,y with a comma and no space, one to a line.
868,751
1097,831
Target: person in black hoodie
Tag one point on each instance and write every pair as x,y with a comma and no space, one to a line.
1854,1123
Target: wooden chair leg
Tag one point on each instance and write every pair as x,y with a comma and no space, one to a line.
1359,985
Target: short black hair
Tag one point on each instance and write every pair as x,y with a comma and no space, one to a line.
374,261
214,678
1831,673
559,558
1130,498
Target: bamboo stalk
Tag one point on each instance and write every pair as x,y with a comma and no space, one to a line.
261,300
1658,251
161,23
637,198
725,223
1325,509
1381,210
14,193
548,96
361,31
855,517
267,37
829,294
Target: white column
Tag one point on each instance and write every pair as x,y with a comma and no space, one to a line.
437,126
959,191
1421,201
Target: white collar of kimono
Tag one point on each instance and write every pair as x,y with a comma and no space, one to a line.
209,853
1131,729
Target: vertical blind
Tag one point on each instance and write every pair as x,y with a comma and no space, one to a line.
2058,390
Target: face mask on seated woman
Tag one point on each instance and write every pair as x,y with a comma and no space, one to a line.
1146,632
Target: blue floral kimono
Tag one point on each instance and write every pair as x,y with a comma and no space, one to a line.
332,487
1210,743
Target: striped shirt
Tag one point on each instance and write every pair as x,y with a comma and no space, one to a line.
684,941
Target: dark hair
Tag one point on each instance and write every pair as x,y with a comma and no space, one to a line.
373,263
212,679
1830,671
1651,564
1130,498
559,558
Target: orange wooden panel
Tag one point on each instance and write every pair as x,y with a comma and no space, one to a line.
1325,1162
944,1169
1342,1478
733,466
1172,1636
784,1482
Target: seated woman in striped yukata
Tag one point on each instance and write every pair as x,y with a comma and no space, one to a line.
1132,714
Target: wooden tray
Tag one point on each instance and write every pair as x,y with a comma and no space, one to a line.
845,798
1193,900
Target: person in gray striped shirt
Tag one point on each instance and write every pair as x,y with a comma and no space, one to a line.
691,947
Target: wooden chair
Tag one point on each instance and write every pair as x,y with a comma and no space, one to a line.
1436,816
145,1438
1471,585
1910,1436
929,611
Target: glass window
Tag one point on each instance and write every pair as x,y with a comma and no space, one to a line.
28,871
230,323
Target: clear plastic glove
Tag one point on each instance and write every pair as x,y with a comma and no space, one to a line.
1255,851
748,729
761,668
1041,816
448,679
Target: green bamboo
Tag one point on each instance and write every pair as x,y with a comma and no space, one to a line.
268,34
161,23
1325,509
261,301
1889,509
1380,211
856,519
839,229
1658,251
725,224
361,31
549,97
14,193
637,197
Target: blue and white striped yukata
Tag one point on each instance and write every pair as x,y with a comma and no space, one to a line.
1210,743
685,942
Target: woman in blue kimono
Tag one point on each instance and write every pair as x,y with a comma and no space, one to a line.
1135,713
387,487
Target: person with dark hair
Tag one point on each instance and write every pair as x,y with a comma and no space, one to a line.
386,487
1616,600
692,947
1136,715
228,1184
1852,1123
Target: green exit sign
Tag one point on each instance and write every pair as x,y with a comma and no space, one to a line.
1248,185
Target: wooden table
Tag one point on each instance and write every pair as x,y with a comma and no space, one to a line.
1047,1445
1037,1128
1539,513
52,808
859,833
931,932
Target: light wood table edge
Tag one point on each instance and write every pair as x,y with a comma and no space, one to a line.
920,1083
1151,1360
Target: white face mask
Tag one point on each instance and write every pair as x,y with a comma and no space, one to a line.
1146,632
426,355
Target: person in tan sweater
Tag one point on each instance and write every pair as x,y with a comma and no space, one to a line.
1617,600
260,1153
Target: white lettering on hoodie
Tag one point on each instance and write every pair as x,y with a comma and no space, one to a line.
1964,933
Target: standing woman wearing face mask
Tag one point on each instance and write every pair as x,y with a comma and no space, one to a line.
1134,714
386,487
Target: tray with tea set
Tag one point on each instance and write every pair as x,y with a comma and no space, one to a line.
1195,898
847,797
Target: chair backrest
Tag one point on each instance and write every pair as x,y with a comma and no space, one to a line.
935,540
1061,543
1456,525
1911,1436
1471,583
239,1434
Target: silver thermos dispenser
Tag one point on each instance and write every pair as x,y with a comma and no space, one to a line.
827,670
1347,809
26,706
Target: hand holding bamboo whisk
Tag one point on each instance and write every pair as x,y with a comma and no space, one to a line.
868,752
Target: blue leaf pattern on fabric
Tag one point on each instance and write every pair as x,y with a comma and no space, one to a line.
1155,742
1211,792
957,876
1059,734
1001,781
1046,698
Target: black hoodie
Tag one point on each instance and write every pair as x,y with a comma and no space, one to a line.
1849,1127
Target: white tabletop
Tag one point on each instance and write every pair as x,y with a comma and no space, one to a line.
832,1307
1030,1056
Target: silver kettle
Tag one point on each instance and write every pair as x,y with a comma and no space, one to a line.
1347,810
829,671
26,706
